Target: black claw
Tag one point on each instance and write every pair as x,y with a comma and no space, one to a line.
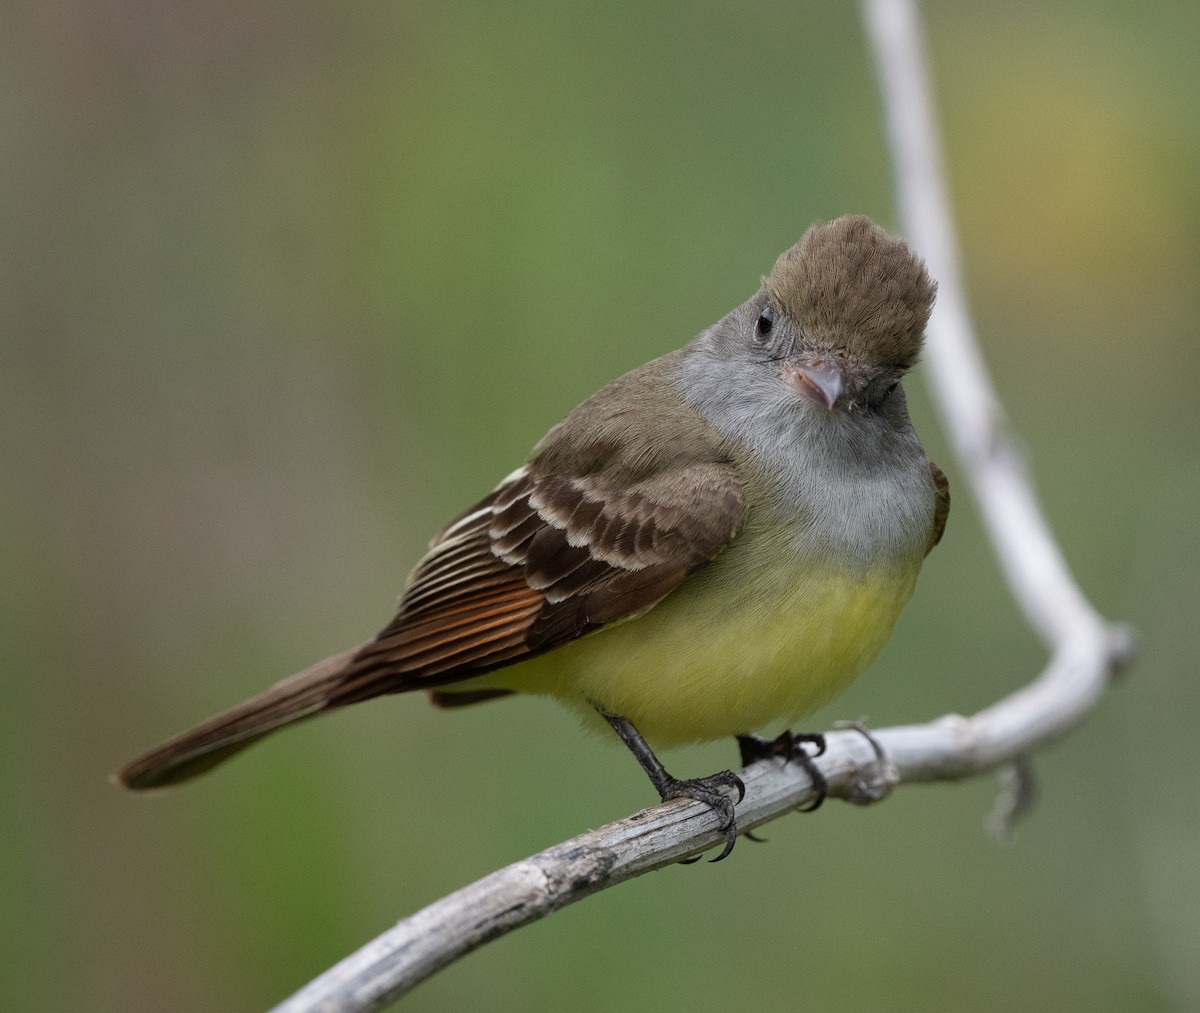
806,760
730,841
820,785
789,746
750,835
785,746
707,790
813,738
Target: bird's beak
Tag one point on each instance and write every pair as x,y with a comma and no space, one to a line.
824,381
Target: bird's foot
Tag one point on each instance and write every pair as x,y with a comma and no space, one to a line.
709,791
701,789
791,747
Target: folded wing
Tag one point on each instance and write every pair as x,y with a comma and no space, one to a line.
541,561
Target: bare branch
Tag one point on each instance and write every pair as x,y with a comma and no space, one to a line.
1084,649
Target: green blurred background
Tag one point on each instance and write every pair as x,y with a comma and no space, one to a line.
287,286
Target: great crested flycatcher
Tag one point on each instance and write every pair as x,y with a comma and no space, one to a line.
720,539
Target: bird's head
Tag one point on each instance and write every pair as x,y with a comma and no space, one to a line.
842,314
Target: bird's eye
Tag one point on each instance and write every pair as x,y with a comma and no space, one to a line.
888,393
766,320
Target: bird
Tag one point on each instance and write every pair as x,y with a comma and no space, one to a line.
714,542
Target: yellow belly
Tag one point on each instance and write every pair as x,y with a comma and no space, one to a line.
723,655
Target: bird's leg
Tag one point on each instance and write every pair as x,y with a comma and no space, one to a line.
702,789
790,746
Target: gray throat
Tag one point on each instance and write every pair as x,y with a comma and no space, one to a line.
852,484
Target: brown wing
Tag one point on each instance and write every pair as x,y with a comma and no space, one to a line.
941,510
541,561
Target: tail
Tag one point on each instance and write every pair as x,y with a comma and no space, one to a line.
301,696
